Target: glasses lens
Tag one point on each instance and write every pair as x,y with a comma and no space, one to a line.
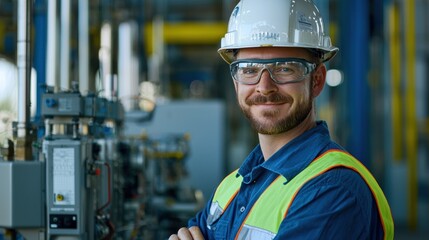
246,72
284,72
249,71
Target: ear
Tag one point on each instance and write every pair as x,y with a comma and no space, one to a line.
319,78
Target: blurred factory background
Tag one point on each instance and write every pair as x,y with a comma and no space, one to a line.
121,113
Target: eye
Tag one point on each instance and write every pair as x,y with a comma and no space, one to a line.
290,68
284,69
248,70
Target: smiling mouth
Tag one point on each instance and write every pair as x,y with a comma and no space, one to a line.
271,103
268,105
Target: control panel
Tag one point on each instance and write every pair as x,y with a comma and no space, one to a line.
63,221
66,174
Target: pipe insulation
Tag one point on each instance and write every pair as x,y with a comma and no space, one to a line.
52,46
24,65
65,44
83,21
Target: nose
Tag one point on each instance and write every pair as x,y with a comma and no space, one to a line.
266,85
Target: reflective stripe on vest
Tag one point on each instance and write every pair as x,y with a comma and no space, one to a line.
264,219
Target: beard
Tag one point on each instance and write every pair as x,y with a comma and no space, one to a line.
275,121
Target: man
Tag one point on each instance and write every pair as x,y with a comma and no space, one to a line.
297,183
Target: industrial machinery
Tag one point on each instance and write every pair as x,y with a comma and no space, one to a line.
71,180
81,179
168,200
88,182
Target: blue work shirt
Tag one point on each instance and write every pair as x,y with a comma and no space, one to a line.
335,205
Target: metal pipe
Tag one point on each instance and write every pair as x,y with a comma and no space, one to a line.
411,134
51,48
24,66
83,21
105,54
128,65
395,76
354,45
39,56
65,44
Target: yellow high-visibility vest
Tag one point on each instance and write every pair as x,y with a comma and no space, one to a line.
264,219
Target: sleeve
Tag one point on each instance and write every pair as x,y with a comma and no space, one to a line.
200,219
335,205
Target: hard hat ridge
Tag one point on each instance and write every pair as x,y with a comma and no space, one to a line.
276,23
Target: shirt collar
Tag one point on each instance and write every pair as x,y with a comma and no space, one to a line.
292,158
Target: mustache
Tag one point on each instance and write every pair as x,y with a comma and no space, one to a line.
272,98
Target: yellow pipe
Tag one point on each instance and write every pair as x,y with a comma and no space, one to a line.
396,66
187,33
411,117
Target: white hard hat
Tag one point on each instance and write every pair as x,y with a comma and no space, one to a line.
276,23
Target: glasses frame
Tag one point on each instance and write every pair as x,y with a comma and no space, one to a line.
309,66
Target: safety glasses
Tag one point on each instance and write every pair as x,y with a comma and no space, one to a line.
282,70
